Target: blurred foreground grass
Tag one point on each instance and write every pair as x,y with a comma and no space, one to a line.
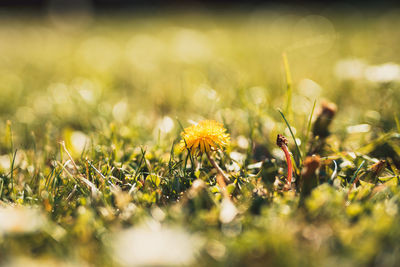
116,89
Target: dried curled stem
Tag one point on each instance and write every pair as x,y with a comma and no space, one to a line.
222,179
282,142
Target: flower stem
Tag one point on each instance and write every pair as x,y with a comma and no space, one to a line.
281,141
222,179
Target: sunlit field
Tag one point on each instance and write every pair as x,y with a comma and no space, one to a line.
96,169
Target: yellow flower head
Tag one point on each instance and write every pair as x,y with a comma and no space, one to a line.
205,136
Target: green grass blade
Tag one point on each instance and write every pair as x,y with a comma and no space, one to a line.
289,85
171,158
1,188
397,123
299,158
334,173
8,137
12,171
307,136
139,167
188,150
357,171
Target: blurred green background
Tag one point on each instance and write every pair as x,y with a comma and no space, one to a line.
82,72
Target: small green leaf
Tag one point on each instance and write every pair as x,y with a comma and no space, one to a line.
153,179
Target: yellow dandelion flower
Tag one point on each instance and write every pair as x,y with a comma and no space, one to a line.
205,136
